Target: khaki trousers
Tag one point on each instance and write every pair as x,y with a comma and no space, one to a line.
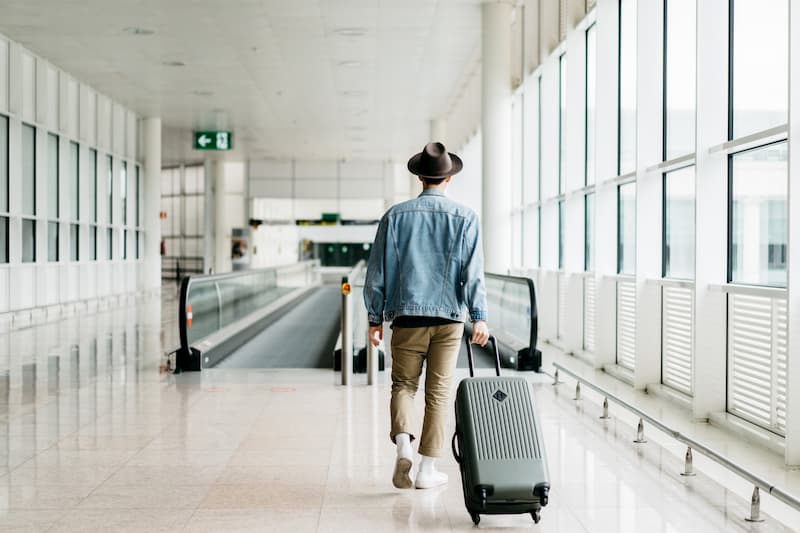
439,346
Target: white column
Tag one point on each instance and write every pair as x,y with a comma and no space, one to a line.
151,267
793,348
710,327
648,193
439,132
605,217
222,251
208,216
496,126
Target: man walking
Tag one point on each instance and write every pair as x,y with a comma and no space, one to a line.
425,275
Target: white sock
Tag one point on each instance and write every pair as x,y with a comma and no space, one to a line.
403,441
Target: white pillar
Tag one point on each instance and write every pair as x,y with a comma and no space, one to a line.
222,251
439,132
793,348
151,268
496,127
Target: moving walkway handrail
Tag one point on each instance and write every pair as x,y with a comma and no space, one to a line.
757,481
184,311
534,311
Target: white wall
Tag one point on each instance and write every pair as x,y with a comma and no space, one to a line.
37,93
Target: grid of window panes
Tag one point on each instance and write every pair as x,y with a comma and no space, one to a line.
562,117
561,234
4,190
75,205
759,77
758,214
679,227
93,195
591,102
28,193
626,229
588,217
53,197
680,51
626,162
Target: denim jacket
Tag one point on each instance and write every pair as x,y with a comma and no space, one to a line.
427,260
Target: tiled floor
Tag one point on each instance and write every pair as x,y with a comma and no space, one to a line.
94,438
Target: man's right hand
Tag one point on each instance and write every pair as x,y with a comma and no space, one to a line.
480,333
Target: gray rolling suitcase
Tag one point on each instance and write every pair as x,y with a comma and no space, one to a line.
498,445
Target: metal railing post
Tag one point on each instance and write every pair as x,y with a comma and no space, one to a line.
555,378
640,433
605,415
372,361
688,467
755,507
577,391
347,333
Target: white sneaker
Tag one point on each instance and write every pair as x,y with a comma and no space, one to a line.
428,479
402,473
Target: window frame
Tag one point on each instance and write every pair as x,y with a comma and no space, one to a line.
730,255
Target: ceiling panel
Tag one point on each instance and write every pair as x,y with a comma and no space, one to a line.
327,79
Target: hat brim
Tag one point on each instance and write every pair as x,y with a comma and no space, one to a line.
455,168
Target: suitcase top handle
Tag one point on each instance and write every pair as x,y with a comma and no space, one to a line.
471,359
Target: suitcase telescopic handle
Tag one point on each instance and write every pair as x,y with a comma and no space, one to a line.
471,359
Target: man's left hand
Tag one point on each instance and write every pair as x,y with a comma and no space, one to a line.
376,335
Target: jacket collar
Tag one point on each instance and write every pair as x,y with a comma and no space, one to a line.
431,192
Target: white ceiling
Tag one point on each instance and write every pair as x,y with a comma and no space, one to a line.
279,73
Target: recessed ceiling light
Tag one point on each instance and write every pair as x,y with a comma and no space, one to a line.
357,139
357,128
350,32
198,92
354,93
138,31
173,64
350,64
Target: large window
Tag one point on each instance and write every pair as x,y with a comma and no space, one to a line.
75,202
53,196
561,234
110,243
757,213
28,193
626,157
588,229
110,188
93,196
562,117
759,69
678,253
626,229
680,51
123,192
591,103
4,204
138,196
28,170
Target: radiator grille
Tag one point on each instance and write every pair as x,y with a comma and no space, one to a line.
626,324
757,360
677,318
503,429
562,305
589,292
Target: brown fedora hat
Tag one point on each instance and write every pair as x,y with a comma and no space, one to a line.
434,161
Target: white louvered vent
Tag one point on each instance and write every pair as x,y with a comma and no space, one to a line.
626,324
562,19
562,304
677,319
757,360
589,295
780,348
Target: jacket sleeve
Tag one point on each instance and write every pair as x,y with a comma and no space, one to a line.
375,282
472,274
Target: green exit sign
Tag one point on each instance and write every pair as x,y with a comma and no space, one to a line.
213,140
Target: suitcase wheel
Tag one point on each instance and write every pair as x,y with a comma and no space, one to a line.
536,515
476,518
